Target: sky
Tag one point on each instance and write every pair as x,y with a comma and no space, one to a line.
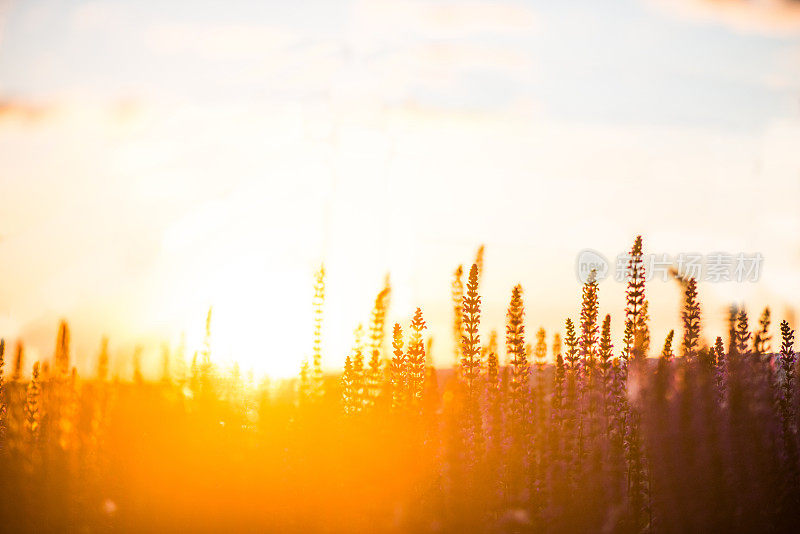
157,159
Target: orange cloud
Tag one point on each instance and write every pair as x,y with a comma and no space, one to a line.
780,17
23,111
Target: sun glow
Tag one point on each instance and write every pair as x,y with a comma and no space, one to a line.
258,324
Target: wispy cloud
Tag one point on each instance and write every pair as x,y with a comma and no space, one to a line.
384,51
774,17
23,110
219,41
459,57
438,20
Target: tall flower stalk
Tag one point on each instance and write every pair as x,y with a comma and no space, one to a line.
415,359
318,303
636,309
398,369
691,321
470,338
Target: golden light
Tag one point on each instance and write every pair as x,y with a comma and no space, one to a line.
257,322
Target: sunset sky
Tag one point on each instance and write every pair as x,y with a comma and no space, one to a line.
158,158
